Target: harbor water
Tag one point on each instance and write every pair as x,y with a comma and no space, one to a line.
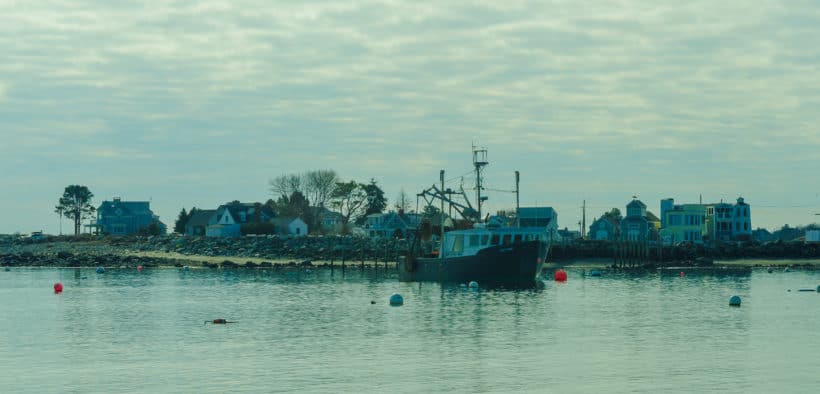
319,331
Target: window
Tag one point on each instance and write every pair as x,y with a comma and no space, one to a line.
737,226
507,238
473,241
745,226
484,239
517,238
494,240
458,244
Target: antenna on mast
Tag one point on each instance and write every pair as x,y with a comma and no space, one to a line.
479,162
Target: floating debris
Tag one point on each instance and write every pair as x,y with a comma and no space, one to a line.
219,321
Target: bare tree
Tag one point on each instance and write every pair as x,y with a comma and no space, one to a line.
402,202
319,186
285,185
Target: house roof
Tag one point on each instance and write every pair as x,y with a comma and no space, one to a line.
636,203
651,217
248,208
201,217
614,222
283,221
126,207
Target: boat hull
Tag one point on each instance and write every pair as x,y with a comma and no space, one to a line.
518,262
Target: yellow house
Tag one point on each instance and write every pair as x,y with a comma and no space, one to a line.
686,222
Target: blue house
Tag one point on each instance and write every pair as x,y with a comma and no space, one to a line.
391,224
119,217
605,228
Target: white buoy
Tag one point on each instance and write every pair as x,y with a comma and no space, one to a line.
473,284
396,300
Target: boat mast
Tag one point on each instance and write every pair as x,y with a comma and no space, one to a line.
517,205
441,215
479,161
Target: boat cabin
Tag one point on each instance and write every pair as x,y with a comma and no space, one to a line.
469,242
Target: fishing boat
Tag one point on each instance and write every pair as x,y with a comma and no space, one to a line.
500,252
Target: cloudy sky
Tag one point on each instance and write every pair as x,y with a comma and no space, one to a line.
196,103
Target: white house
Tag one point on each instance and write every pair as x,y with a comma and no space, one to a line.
290,226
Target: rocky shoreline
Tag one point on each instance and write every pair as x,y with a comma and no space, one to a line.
273,251
251,252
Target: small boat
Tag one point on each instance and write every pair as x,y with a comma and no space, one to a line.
483,253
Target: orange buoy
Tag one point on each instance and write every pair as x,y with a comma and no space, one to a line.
58,288
560,276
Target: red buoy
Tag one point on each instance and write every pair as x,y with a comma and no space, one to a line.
139,268
561,276
58,288
682,274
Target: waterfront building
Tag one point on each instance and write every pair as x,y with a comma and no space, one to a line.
117,217
683,223
230,217
199,222
638,224
699,223
762,235
605,228
331,222
729,222
390,224
290,226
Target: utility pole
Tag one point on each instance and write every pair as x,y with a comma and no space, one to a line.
584,220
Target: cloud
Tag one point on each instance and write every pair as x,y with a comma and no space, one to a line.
398,90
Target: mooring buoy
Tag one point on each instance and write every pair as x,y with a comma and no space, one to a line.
734,301
396,299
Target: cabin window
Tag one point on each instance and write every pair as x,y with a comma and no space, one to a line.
484,239
473,240
507,238
458,244
517,238
494,240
